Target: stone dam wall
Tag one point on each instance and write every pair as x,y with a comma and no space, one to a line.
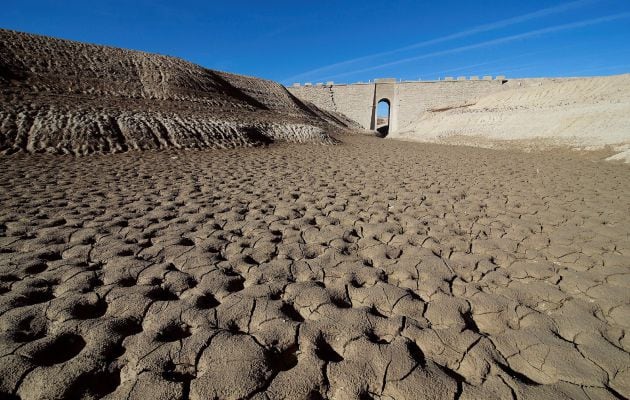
408,100
528,113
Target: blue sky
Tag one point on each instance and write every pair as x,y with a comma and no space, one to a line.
349,41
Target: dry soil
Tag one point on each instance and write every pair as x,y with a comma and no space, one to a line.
535,113
369,269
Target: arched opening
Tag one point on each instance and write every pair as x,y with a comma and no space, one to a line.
382,117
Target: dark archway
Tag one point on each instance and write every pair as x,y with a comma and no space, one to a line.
383,113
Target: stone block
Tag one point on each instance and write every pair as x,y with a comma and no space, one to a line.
385,80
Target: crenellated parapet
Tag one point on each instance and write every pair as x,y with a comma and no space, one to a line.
394,80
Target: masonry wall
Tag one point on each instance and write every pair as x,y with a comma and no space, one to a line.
354,101
414,98
409,101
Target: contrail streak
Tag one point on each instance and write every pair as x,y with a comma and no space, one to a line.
507,39
478,29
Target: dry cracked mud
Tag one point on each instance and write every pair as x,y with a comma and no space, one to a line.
373,269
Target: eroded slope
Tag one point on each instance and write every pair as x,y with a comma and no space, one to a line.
63,96
578,112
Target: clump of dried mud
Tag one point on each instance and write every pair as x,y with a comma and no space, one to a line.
68,97
371,269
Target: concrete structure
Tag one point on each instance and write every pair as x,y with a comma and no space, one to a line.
407,100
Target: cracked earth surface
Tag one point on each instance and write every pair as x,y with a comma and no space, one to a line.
372,269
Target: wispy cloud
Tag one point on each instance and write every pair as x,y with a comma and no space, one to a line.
472,67
458,35
464,68
620,68
503,40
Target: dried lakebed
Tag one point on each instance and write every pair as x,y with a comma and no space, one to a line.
371,269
